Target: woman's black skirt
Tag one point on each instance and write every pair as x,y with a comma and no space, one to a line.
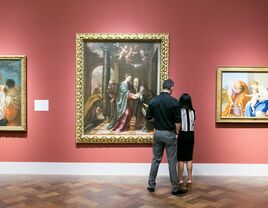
185,146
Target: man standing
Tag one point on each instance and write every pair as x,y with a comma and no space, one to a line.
164,111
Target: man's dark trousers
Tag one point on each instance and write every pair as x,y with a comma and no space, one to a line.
164,140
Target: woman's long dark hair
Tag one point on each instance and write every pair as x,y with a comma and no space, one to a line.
185,102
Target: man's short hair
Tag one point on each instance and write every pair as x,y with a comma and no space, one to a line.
168,84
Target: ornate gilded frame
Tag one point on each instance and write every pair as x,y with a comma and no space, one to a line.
23,124
247,72
81,39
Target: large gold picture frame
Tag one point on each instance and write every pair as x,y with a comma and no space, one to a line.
116,76
242,94
13,93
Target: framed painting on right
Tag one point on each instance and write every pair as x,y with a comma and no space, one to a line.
242,94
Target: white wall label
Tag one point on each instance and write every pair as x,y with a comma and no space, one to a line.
41,105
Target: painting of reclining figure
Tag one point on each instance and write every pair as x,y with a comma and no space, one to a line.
242,94
120,78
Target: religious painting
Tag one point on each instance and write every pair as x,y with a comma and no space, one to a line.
242,94
116,77
12,93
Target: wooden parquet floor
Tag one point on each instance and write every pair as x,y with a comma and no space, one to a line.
27,191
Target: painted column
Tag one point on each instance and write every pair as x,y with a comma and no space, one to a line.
106,76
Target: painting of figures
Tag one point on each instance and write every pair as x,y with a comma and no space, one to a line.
12,93
242,94
120,77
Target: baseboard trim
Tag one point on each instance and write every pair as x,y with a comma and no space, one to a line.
135,169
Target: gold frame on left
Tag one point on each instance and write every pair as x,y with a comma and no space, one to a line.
13,93
116,77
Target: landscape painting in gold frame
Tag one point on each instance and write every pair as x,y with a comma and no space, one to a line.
116,77
13,93
242,94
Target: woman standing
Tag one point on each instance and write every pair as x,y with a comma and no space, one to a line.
186,138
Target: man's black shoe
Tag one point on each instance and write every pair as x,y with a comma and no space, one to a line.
150,189
180,191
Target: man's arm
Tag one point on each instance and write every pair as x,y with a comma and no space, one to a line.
177,119
149,113
178,127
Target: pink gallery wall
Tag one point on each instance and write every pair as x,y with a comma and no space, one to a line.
203,34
